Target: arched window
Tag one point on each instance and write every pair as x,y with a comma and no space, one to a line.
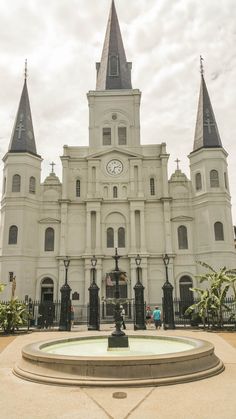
32,184
49,240
214,179
121,237
182,237
122,135
198,181
110,237
115,192
106,136
152,186
16,183
77,188
13,232
219,231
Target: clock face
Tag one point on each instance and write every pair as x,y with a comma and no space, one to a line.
114,167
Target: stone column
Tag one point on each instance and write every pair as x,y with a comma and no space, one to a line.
98,230
132,231
88,232
63,235
142,230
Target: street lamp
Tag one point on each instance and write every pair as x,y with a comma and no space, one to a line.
166,261
66,262
93,323
168,309
139,299
65,314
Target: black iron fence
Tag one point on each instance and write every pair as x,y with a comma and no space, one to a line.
47,314
228,313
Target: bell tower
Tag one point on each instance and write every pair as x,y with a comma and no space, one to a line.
20,200
114,107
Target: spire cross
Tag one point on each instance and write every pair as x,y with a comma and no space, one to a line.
20,127
52,164
208,122
177,161
201,66
26,72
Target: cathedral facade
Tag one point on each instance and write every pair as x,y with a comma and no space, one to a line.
114,193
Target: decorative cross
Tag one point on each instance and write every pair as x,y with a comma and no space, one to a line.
208,122
52,164
26,73
20,127
177,161
201,66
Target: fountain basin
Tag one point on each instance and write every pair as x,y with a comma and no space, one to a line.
188,360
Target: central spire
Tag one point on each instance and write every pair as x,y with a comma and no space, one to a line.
113,72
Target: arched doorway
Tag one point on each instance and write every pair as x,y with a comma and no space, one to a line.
47,290
186,295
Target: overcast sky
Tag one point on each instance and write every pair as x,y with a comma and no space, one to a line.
62,40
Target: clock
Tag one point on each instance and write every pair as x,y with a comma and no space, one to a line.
114,167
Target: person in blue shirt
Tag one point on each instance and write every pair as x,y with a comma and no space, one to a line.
156,315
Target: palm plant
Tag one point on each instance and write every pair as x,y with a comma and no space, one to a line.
211,302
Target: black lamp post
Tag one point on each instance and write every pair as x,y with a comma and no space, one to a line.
139,299
93,323
118,339
168,310
65,315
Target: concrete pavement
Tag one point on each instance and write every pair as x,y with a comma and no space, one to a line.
210,398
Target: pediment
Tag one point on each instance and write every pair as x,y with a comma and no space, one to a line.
106,152
49,220
182,218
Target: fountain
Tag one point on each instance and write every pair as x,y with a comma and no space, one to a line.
118,360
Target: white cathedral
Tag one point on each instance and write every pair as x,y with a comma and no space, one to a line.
115,193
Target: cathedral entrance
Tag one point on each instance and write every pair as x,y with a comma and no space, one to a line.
186,295
47,290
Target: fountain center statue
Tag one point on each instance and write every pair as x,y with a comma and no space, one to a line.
118,338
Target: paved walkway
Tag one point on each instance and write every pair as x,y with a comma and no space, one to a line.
212,398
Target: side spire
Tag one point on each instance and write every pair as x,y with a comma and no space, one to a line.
113,72
22,139
206,130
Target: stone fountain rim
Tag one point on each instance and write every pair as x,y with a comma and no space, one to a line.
118,371
34,350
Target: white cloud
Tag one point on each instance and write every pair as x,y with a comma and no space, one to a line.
63,39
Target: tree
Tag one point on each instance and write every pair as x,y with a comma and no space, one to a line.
211,302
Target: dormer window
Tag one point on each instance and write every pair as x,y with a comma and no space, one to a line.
114,65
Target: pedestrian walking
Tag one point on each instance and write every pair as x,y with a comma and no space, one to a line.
157,317
148,315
